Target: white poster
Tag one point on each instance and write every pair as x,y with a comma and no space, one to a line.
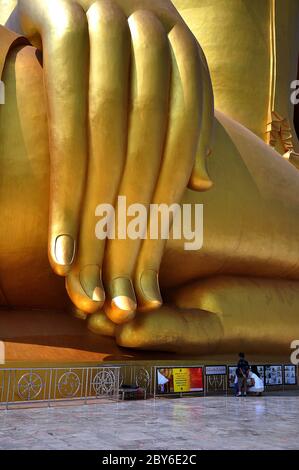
261,371
231,375
273,375
215,370
290,375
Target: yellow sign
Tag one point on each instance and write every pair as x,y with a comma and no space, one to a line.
181,380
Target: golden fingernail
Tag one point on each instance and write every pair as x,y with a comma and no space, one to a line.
64,250
149,284
90,279
123,304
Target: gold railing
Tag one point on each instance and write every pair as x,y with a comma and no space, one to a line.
45,386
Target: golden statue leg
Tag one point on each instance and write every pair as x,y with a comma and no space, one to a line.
215,316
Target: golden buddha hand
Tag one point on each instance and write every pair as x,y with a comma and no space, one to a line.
130,106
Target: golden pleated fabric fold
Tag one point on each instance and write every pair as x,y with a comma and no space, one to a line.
8,39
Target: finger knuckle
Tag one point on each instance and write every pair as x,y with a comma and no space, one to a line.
72,19
147,30
106,13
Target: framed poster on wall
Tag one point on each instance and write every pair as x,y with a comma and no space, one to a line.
273,375
261,371
231,376
171,380
289,374
215,370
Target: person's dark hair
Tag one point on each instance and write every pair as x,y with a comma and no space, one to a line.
254,369
242,355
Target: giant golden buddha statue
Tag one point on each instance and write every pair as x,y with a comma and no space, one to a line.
116,97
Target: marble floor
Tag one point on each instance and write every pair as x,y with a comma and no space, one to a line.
270,422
